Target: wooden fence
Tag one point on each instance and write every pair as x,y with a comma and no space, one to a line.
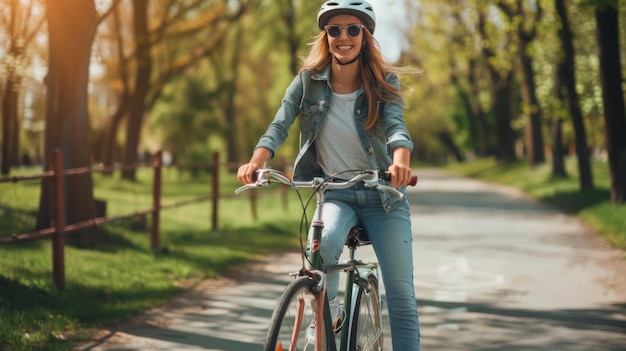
58,228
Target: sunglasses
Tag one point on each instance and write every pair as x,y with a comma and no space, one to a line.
334,30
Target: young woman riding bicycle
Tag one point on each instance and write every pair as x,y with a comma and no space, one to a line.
351,118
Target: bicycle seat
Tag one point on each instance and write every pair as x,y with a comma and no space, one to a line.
357,237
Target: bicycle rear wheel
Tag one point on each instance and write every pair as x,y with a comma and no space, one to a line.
291,318
366,333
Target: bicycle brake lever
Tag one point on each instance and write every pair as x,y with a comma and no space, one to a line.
390,189
257,184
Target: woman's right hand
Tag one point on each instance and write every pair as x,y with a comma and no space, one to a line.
246,172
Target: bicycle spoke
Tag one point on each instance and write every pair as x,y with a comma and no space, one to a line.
292,316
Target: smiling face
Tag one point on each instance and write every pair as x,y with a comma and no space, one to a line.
345,47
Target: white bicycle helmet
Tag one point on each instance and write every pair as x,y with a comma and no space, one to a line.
361,9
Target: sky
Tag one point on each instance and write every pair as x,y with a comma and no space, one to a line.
390,18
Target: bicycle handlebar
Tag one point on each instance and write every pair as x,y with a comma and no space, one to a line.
368,177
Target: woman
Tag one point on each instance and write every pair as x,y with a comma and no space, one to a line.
352,119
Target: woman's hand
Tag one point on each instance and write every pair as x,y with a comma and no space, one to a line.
400,175
400,169
246,172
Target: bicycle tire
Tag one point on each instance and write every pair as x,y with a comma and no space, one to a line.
291,318
366,333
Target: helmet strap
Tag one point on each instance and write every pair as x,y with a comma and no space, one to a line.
347,63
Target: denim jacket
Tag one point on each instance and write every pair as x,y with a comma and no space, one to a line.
309,96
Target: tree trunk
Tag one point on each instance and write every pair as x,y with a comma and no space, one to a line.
558,164
9,111
289,15
502,107
613,99
142,86
110,135
446,139
501,100
558,154
525,35
229,106
109,147
582,150
534,133
15,125
477,112
9,100
72,26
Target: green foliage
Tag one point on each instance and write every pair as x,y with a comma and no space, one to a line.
122,277
186,116
445,42
598,4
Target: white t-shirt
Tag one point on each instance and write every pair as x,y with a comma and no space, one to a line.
338,144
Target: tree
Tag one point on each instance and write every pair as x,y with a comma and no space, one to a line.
124,96
569,80
21,25
558,154
141,85
229,91
175,22
72,26
502,91
470,96
612,96
443,102
525,22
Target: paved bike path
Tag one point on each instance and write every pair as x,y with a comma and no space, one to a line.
494,270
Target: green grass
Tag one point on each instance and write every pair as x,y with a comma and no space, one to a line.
592,206
123,277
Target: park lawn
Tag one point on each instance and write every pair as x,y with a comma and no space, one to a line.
593,207
123,277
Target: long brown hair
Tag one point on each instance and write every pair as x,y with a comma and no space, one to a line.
373,69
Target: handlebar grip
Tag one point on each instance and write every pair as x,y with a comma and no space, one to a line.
387,176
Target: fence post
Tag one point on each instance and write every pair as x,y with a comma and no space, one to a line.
156,201
215,170
57,207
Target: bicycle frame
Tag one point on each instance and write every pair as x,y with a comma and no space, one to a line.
351,267
313,263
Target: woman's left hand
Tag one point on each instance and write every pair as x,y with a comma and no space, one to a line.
400,175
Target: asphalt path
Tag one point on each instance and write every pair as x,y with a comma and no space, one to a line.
494,270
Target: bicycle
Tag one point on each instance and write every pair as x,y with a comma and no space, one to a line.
304,299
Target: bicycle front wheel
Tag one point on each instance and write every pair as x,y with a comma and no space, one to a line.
293,314
366,333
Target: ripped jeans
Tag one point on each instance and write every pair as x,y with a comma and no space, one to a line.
391,238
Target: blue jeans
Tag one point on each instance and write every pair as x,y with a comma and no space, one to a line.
391,238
